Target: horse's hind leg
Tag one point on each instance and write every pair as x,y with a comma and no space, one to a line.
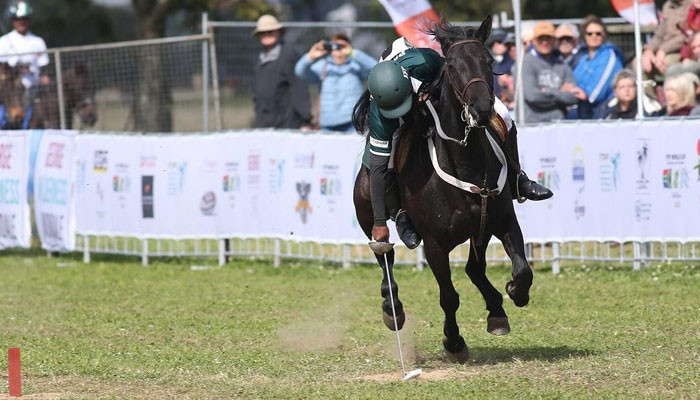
363,210
438,259
518,289
497,322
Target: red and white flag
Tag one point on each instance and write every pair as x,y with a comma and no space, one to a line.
647,11
411,18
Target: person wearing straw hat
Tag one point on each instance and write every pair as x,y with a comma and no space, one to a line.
26,52
281,98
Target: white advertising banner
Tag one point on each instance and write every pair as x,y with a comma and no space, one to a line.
15,228
612,181
54,202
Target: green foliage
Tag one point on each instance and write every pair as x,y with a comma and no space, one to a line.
115,329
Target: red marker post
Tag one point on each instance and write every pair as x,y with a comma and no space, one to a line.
15,374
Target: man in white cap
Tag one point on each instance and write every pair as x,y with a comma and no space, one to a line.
25,51
281,98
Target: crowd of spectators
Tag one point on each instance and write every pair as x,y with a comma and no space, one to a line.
569,72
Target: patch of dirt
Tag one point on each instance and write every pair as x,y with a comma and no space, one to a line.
433,376
309,335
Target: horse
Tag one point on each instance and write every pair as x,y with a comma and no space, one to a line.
78,98
444,215
12,112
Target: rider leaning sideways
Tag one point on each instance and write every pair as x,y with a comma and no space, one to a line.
25,51
395,85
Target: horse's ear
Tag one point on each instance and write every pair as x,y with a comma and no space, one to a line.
484,30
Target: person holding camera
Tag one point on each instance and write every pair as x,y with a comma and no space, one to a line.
341,71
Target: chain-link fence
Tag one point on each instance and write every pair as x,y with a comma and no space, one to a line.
141,86
237,52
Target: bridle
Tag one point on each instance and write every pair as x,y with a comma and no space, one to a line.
461,95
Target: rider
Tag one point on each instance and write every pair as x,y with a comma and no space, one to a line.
394,85
25,51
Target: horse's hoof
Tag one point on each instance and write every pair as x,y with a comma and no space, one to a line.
497,326
389,321
459,355
520,300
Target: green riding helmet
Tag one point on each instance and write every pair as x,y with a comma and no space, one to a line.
390,86
20,9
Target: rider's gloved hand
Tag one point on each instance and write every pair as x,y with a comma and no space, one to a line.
380,233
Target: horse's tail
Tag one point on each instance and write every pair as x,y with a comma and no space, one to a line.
360,114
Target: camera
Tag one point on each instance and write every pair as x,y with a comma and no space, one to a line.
330,46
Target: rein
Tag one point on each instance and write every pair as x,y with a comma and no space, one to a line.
470,123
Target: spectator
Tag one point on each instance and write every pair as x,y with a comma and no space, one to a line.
503,63
26,52
680,94
512,48
624,104
664,48
691,26
567,43
690,64
596,68
281,99
341,71
548,83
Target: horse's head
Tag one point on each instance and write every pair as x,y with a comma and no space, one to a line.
80,93
468,68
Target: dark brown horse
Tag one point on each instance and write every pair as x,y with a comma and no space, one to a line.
78,96
444,215
13,115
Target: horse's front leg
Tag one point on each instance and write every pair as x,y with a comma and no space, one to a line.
512,238
439,261
386,305
497,322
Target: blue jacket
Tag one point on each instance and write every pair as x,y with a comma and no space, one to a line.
595,75
341,85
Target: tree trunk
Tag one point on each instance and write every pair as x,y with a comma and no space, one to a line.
152,101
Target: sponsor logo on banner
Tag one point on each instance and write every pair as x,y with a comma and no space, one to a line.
54,155
643,151
99,163
609,171
642,211
254,162
578,171
305,160
208,203
176,177
676,177
147,196
330,184
7,227
5,155
9,191
231,183
275,175
52,227
121,182
698,166
147,161
303,207
52,191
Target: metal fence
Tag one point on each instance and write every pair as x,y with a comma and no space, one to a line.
237,53
638,254
160,85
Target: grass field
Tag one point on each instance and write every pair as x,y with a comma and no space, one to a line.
115,329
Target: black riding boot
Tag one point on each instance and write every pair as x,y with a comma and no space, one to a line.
521,186
404,226
407,232
531,190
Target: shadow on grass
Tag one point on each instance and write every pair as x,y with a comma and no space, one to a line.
480,355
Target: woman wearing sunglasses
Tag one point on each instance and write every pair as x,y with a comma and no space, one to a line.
596,69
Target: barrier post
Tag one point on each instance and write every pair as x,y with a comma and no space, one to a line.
222,252
278,253
144,252
86,249
205,75
636,265
14,372
556,267
419,258
346,256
